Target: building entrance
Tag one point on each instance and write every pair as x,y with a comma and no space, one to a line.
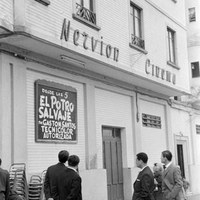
112,156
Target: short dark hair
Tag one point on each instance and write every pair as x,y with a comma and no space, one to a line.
63,156
142,156
73,160
167,154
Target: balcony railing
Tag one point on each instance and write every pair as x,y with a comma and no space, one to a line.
137,41
85,14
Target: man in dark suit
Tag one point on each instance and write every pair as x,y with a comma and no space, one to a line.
72,180
4,183
172,181
144,184
53,184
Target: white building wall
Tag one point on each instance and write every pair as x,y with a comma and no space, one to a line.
6,13
155,36
153,140
42,155
115,110
197,140
46,22
193,37
172,8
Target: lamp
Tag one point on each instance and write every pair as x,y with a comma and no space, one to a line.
72,60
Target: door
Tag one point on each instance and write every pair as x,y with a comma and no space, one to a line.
182,157
112,156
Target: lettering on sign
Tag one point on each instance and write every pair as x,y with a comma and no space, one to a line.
88,42
159,72
56,112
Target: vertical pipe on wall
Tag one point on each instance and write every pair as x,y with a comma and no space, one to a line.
193,145
12,113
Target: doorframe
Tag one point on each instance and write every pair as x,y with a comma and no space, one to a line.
121,133
183,140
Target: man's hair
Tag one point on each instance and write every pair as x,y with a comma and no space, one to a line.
167,154
0,161
63,156
142,156
73,160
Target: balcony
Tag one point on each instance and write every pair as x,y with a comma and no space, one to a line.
136,41
85,16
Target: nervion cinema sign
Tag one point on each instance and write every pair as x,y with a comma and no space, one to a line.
88,42
55,112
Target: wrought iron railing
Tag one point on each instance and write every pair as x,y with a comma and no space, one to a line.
137,41
85,13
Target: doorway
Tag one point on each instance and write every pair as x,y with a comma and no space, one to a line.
112,162
182,156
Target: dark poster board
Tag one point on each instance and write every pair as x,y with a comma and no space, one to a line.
55,112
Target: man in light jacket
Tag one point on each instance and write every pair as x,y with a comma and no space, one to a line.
172,181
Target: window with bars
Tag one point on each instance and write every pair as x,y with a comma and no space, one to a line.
171,46
197,129
192,14
136,26
151,121
85,13
195,69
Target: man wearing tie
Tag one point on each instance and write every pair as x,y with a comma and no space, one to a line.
72,180
172,181
144,184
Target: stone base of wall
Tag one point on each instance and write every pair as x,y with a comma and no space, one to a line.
94,184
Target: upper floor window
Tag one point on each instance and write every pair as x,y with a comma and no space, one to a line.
195,69
136,26
171,46
192,14
85,12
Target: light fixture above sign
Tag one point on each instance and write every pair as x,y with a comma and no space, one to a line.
71,60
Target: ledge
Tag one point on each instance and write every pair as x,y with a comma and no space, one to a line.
80,19
138,48
44,2
173,65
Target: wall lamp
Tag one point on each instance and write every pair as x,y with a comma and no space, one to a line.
72,60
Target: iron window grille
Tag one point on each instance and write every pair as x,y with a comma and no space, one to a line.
151,121
85,14
137,41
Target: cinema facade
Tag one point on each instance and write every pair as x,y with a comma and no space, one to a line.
72,79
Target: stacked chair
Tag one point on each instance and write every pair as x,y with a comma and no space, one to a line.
18,183
36,183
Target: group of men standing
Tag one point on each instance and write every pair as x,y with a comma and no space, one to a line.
172,182
63,182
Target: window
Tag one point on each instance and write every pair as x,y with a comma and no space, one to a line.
195,69
151,121
171,46
85,13
192,15
136,26
197,129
